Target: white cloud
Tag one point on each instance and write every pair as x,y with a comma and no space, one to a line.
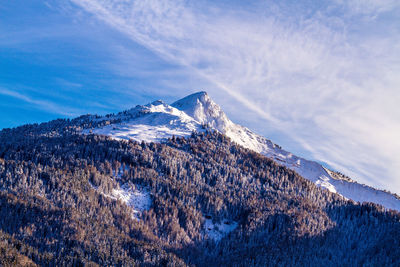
368,7
41,104
332,90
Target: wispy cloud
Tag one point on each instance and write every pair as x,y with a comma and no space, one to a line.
41,104
368,7
323,78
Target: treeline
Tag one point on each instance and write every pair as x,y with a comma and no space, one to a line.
54,208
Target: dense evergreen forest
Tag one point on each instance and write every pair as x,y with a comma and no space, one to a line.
56,206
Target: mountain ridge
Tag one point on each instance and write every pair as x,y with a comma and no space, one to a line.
157,121
76,199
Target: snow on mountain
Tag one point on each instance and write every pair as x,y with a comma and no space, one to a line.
203,110
136,197
157,121
217,231
153,122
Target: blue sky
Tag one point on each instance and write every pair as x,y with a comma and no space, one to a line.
320,78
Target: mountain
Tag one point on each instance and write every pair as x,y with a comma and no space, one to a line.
158,121
73,199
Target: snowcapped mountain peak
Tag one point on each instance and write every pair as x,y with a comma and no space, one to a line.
204,110
196,105
193,99
158,121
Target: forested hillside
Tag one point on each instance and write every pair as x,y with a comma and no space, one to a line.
211,203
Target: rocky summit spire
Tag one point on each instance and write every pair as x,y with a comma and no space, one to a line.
203,109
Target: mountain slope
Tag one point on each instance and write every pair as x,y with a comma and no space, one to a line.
158,121
151,123
68,199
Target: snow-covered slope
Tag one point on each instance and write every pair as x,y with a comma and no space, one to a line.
158,120
151,123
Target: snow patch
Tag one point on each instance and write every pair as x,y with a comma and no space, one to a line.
217,231
136,197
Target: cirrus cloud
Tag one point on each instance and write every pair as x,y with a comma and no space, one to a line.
328,81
